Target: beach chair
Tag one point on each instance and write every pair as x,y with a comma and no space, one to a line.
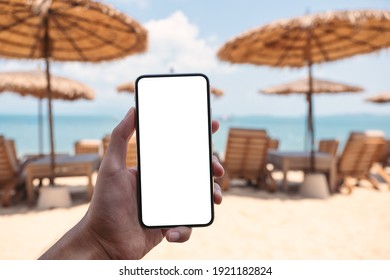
273,144
383,162
385,158
131,156
12,146
87,146
328,146
360,153
105,142
245,158
9,170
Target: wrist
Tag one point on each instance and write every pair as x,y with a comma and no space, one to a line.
78,243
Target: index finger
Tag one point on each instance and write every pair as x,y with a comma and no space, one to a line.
214,126
120,137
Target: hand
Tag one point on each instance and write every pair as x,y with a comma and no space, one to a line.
111,229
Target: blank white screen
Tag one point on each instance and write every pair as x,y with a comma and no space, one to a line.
175,170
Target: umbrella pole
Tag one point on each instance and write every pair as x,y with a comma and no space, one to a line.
40,127
310,127
49,97
310,120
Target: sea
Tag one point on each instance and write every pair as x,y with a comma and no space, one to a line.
290,131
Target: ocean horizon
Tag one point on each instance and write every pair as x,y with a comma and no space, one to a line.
289,130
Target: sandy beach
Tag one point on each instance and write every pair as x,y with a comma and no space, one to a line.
250,224
309,77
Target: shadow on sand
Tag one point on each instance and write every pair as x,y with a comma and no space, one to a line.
241,188
20,206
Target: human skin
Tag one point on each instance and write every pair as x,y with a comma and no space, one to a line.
110,229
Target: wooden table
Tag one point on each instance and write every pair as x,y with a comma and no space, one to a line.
65,166
286,161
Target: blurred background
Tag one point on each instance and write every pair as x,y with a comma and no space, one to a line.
184,36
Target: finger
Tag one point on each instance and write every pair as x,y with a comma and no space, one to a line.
217,194
214,126
178,234
120,137
218,169
133,170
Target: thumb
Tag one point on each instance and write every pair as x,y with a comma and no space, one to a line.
120,137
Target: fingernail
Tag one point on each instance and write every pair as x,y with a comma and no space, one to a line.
174,236
130,111
217,189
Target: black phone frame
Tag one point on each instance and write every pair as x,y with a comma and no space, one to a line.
139,155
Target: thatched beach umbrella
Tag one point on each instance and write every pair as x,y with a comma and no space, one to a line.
318,87
71,30
34,83
130,87
126,87
67,30
216,91
307,40
380,98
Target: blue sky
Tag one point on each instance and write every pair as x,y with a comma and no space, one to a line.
186,34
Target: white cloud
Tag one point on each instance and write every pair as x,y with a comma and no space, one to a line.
21,65
173,42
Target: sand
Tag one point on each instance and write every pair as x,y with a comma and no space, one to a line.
250,224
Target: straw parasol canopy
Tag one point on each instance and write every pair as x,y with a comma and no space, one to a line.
380,98
319,86
310,39
34,83
126,87
130,87
306,40
78,30
66,30
216,91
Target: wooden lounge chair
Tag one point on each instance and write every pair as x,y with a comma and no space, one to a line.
328,146
9,170
360,153
273,144
383,162
12,146
245,158
385,158
105,142
87,146
131,156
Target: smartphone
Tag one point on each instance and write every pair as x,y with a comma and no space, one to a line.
174,150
